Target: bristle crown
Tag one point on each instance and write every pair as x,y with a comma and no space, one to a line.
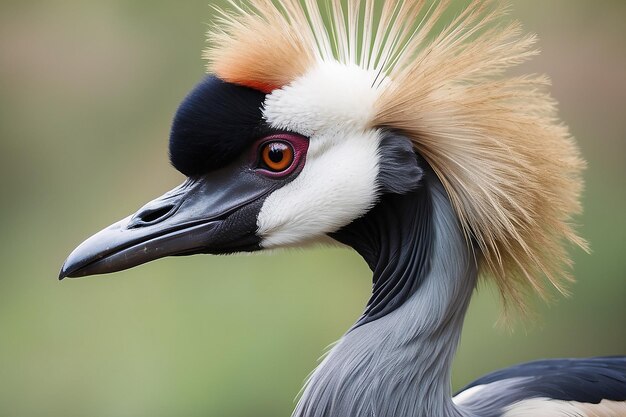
510,167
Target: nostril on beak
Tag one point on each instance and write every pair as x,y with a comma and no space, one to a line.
151,216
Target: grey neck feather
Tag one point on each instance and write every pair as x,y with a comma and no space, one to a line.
397,364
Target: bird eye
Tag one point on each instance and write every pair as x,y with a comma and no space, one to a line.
277,156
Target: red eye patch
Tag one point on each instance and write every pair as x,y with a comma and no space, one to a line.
280,154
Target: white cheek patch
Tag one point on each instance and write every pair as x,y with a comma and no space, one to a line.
333,105
336,186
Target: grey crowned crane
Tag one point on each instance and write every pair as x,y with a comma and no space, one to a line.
384,127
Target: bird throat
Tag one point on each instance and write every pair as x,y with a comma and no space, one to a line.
396,240
395,361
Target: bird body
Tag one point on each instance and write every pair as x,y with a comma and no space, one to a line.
358,122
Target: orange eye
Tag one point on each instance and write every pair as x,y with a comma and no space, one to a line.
277,156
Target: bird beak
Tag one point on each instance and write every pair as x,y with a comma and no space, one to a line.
215,213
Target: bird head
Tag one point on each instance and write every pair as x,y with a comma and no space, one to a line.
312,112
264,170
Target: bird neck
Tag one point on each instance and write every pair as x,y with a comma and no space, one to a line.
396,360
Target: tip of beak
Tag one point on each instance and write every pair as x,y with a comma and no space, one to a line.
63,273
68,271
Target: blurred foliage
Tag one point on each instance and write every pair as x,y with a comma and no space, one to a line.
88,91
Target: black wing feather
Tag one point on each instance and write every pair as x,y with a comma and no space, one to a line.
588,380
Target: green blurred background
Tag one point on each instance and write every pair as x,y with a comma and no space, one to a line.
87,92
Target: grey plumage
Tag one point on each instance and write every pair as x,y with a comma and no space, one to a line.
399,364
